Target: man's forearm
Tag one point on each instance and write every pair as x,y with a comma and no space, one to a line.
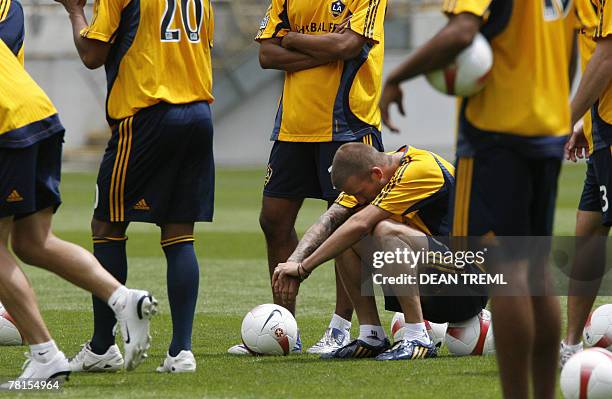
440,50
320,231
343,238
326,47
78,22
274,56
595,79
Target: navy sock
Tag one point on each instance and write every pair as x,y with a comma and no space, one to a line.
110,252
183,278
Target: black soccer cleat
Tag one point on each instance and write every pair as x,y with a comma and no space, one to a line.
409,350
358,349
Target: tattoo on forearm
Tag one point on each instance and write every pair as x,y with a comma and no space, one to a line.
320,231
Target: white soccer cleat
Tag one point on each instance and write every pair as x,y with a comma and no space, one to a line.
241,349
57,369
332,340
88,361
238,350
567,351
133,322
184,362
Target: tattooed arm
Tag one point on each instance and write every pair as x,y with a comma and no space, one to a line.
320,231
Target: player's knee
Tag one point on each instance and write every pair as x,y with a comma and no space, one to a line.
385,228
28,249
101,228
274,226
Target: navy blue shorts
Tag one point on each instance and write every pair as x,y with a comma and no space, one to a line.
158,167
503,192
302,170
30,177
597,190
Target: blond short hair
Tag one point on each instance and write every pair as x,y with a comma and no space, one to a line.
354,159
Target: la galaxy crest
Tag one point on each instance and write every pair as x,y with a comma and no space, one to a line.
337,8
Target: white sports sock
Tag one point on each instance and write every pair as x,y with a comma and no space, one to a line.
339,323
118,300
574,347
368,331
45,352
418,331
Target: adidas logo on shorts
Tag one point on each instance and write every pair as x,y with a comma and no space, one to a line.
14,196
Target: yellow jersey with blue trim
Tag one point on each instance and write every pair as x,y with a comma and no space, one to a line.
12,31
418,192
595,19
337,101
26,113
528,88
160,52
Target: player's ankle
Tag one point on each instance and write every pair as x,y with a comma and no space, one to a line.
44,352
371,334
119,299
416,331
339,323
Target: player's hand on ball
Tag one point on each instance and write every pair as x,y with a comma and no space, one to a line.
392,93
577,145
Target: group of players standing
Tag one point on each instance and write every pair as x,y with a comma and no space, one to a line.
512,138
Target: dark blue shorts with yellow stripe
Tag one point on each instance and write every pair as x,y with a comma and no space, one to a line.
158,167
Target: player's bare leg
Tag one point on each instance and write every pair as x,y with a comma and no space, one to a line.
338,332
277,220
349,270
344,306
390,236
17,295
415,343
514,332
588,224
372,339
45,361
35,244
545,353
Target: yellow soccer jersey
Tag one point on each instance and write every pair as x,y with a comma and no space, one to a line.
337,101
596,22
161,52
528,88
26,113
417,194
12,30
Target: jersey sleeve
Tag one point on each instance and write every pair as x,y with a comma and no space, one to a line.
275,23
105,20
410,188
12,31
476,7
347,201
367,18
604,27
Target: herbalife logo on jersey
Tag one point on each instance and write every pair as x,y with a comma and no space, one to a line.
337,8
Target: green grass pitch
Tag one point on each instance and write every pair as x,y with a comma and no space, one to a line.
234,278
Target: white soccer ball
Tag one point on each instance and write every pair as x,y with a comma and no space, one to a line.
435,331
269,330
9,334
598,329
471,337
467,75
588,375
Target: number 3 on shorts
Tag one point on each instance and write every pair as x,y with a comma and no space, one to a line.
604,197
